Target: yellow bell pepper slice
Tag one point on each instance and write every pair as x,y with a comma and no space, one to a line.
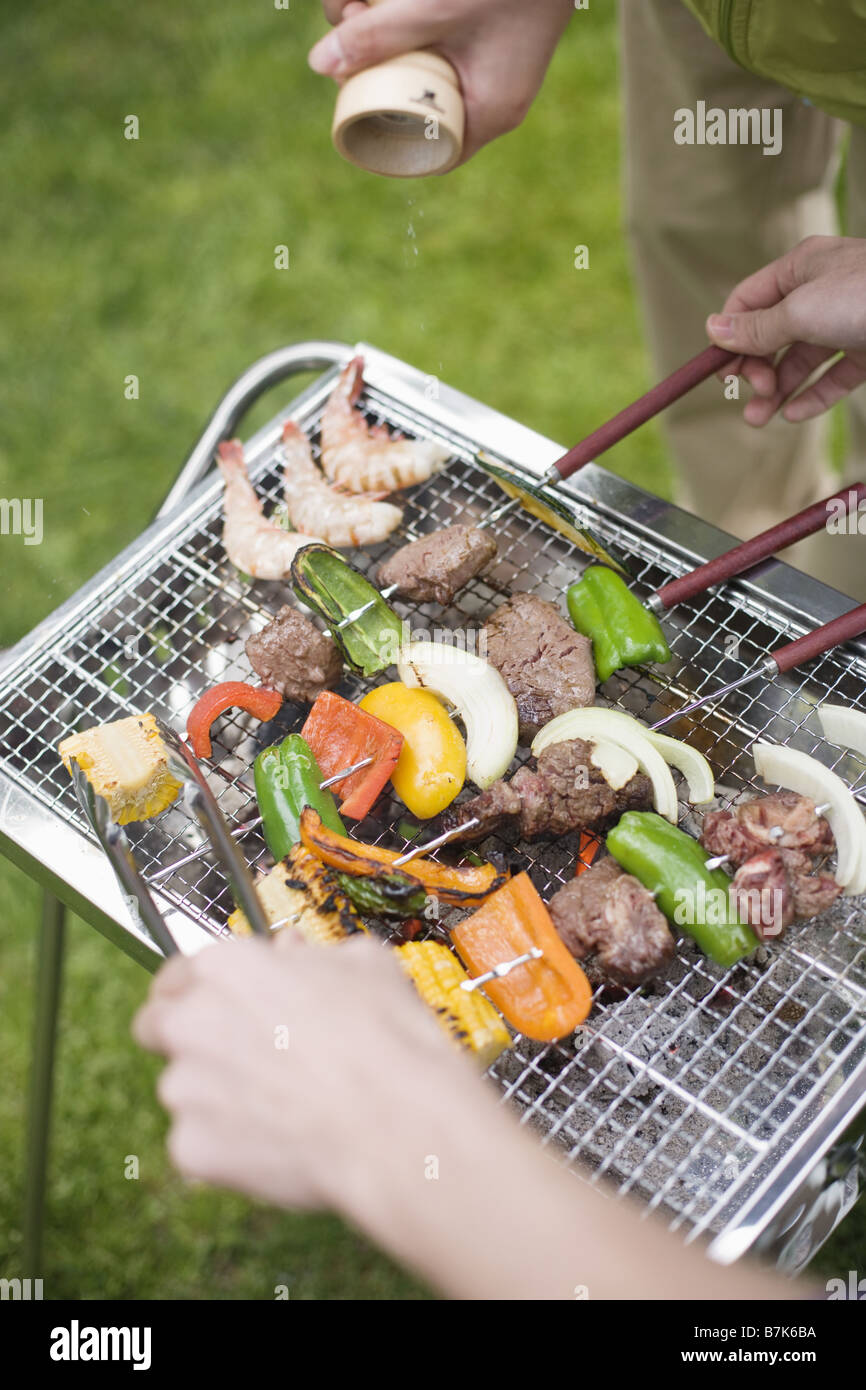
431,767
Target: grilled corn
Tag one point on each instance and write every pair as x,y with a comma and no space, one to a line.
470,1020
303,893
125,762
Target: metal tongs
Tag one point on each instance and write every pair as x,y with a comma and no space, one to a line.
201,802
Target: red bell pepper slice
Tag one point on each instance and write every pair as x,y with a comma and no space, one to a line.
341,734
256,699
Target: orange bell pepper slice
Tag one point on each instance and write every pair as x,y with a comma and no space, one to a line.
544,999
460,886
339,735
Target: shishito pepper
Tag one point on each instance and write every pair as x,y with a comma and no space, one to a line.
544,999
431,767
286,780
386,895
670,864
332,587
340,734
623,632
460,886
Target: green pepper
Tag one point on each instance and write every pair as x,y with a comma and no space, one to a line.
287,779
332,587
672,865
386,895
623,631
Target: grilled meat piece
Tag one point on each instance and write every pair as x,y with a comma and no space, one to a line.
294,657
609,915
564,792
795,814
813,893
762,894
741,835
436,567
546,665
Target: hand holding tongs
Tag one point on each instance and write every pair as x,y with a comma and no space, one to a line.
200,800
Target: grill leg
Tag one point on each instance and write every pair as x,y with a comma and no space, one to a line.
49,969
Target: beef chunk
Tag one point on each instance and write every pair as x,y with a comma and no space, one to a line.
762,894
437,566
801,828
724,833
546,665
565,792
813,893
609,915
294,657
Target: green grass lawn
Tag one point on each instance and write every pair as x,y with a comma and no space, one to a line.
155,258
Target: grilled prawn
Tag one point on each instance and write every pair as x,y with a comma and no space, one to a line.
254,544
364,458
343,519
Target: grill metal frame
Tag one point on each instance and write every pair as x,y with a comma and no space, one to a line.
716,1097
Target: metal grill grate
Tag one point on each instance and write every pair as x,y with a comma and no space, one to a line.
684,1092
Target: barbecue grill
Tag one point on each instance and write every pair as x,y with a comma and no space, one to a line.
728,1102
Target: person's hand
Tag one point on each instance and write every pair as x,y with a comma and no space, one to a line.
500,48
810,302
290,1066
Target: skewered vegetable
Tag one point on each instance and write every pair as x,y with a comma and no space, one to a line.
256,700
287,779
604,724
479,694
340,734
672,866
799,772
460,885
386,895
306,896
548,508
844,726
335,589
470,1020
545,998
622,631
125,762
431,768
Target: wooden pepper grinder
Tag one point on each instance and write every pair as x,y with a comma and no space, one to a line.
404,117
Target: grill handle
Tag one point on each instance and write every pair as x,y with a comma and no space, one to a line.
691,374
268,371
761,547
812,644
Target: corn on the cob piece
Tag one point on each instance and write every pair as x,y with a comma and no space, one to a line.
125,762
470,1020
303,893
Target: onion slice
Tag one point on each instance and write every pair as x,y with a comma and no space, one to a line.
799,772
687,760
844,726
616,765
605,725
478,693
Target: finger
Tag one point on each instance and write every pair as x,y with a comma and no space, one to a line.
335,10
371,36
173,978
755,332
836,383
760,374
797,365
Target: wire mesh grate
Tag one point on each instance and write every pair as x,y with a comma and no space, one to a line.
678,1092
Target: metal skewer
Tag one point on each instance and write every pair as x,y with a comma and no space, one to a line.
240,830
500,971
433,844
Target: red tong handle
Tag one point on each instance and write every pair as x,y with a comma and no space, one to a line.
691,374
851,624
761,547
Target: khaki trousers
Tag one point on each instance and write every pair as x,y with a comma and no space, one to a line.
702,217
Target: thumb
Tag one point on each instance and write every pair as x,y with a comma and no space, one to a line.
757,333
369,36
